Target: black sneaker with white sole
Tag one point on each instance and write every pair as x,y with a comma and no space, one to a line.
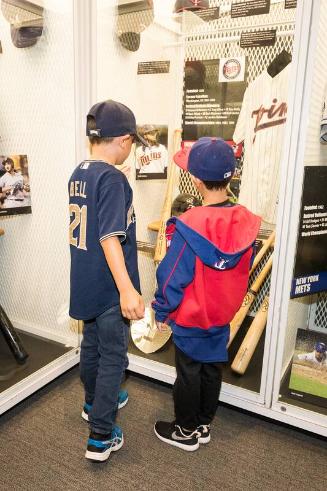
173,434
204,431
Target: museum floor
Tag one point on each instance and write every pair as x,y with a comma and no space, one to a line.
43,441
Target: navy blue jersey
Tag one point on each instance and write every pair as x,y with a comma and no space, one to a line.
100,206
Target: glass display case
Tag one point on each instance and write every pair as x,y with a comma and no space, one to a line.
249,72
37,141
232,70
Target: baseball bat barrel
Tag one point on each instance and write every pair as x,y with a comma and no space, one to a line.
154,226
248,300
13,340
267,244
161,246
252,337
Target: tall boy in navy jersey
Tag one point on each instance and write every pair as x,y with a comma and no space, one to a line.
201,284
105,287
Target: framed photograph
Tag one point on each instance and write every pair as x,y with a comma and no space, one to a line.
15,192
308,380
151,162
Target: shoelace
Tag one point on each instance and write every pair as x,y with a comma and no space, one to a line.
195,433
206,428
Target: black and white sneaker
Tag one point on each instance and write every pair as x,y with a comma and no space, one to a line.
204,431
173,434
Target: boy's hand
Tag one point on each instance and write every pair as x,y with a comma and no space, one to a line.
132,305
161,326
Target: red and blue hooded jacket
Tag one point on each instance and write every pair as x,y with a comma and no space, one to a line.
204,276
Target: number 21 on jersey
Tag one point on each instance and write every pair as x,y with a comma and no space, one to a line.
78,226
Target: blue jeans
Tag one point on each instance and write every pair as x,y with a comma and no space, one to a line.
102,366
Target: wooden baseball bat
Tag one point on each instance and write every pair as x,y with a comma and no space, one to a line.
12,339
249,299
250,342
161,247
267,244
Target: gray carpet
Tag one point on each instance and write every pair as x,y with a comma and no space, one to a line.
43,443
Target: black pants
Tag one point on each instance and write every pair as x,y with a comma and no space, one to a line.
196,391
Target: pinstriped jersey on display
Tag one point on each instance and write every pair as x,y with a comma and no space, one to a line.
261,126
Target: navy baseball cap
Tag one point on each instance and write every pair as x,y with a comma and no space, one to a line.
209,159
320,347
113,119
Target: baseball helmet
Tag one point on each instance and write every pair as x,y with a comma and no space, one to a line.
130,40
320,347
26,21
147,128
132,19
192,5
195,74
184,202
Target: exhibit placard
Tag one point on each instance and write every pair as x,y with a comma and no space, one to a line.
249,8
256,39
290,4
310,270
153,67
210,107
209,14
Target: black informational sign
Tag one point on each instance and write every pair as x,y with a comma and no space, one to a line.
153,67
208,14
255,39
210,107
251,7
290,4
310,270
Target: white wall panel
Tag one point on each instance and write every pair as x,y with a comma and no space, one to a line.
37,119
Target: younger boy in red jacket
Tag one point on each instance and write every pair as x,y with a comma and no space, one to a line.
201,285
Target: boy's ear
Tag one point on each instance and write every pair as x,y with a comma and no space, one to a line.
123,139
197,182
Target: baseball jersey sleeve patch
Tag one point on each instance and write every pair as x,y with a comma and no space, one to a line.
111,211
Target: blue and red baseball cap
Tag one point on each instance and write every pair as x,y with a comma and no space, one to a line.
209,159
113,119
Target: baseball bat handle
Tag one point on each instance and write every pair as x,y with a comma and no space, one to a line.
12,339
252,337
267,244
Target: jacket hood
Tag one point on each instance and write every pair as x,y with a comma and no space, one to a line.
219,236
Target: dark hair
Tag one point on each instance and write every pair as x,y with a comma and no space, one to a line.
9,161
96,140
217,184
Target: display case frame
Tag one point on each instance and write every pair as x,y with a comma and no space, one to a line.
266,402
82,82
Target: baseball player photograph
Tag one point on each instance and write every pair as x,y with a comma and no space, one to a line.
309,367
14,186
317,357
152,161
